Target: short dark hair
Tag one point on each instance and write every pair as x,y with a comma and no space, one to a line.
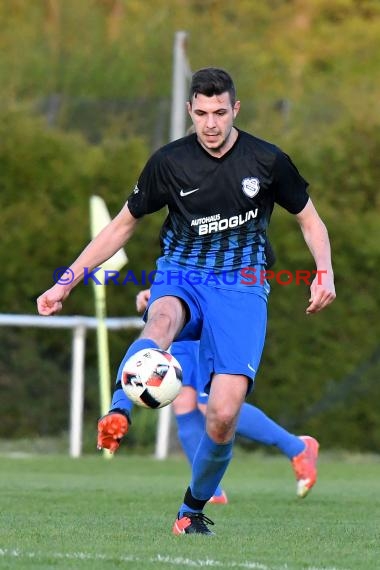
211,81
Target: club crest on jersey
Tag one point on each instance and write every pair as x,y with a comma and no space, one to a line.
250,186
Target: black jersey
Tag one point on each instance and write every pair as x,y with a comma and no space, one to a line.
218,208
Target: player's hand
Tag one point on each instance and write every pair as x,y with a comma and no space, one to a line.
322,292
111,429
142,299
51,301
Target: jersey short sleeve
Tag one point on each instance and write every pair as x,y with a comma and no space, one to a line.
150,193
290,189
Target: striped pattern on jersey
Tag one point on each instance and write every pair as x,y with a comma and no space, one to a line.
222,251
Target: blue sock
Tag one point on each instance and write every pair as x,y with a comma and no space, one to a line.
254,424
137,345
210,463
191,427
119,399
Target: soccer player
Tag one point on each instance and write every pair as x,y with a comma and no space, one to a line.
220,186
190,406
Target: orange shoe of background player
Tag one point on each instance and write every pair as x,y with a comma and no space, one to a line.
219,499
111,429
305,466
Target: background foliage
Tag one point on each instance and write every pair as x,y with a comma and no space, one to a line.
85,92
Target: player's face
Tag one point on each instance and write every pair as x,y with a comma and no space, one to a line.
213,119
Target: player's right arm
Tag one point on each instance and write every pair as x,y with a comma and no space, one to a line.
113,237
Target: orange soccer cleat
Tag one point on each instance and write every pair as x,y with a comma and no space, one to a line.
112,428
305,466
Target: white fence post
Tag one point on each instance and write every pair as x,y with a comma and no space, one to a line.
163,433
77,391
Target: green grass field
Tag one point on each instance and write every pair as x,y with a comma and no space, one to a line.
91,513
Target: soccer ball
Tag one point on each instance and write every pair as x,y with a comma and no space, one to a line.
152,378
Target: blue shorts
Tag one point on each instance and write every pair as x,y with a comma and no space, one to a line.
230,324
187,354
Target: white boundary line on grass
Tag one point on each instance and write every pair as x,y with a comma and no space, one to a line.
158,559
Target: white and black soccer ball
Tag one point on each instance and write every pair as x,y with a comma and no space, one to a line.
152,378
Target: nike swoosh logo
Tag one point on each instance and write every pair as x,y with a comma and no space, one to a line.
182,193
251,367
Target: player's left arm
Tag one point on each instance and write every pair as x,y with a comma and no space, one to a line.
322,289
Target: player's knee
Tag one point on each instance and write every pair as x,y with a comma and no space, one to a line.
160,321
220,425
166,316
